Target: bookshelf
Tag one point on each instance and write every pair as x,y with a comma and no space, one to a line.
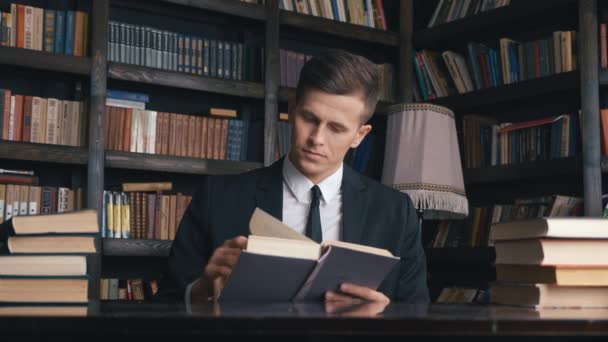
264,26
31,59
557,93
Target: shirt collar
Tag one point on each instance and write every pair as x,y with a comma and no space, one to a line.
300,185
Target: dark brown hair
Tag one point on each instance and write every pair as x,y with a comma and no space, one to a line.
341,73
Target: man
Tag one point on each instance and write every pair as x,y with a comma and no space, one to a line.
310,190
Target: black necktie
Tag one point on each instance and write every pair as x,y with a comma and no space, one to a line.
313,227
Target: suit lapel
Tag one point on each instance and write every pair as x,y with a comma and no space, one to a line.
269,192
353,206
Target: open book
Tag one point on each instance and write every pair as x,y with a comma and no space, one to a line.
280,264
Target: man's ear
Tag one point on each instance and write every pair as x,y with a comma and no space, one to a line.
361,133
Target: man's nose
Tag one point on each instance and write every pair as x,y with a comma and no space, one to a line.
317,135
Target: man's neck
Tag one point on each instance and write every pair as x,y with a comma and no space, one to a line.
315,179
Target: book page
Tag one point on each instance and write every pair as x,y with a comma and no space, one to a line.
356,247
264,224
283,247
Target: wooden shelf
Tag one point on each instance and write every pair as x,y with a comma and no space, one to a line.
459,32
461,255
339,29
516,91
285,92
43,152
517,172
231,7
140,74
136,247
44,61
154,162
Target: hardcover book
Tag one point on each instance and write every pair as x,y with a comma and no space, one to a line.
280,264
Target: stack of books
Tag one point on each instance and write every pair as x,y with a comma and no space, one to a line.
47,264
551,262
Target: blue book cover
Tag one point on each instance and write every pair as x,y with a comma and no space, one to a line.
474,65
245,140
70,25
127,95
213,58
420,77
542,57
59,33
334,9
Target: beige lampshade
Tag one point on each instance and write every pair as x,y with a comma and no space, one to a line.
422,159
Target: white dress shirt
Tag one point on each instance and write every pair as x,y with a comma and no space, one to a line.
297,197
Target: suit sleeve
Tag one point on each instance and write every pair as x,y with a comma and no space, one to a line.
412,286
191,248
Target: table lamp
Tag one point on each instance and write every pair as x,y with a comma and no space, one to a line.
422,159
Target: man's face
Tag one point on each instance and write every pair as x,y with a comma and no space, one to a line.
325,126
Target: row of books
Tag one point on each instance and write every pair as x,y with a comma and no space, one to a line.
604,130
54,31
39,269
551,262
147,131
25,200
42,120
450,10
368,13
291,64
127,289
166,50
447,73
142,215
488,142
475,230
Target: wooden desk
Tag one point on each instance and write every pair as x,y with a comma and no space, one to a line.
109,321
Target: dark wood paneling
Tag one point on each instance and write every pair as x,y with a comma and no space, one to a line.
470,28
405,68
519,172
152,162
232,7
43,152
588,53
45,61
516,91
273,70
345,30
95,165
146,75
135,247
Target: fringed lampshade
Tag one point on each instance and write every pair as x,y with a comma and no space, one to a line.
422,159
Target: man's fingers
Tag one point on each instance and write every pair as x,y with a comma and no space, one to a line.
215,270
237,242
228,260
363,292
339,297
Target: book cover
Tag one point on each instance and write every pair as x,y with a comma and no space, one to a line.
280,264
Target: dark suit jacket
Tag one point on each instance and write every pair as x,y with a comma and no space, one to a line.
373,215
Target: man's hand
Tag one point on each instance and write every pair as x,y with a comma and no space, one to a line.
347,309
356,294
222,262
